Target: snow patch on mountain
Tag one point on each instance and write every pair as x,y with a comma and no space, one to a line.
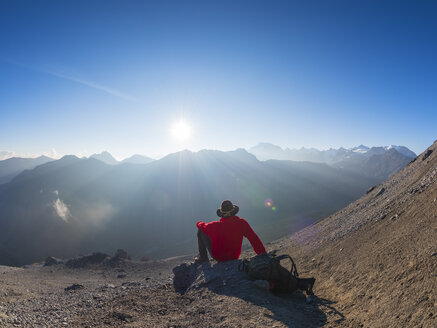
403,150
360,149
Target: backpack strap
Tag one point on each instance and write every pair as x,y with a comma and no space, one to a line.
293,265
271,269
242,266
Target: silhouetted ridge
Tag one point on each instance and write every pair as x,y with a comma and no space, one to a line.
138,159
9,168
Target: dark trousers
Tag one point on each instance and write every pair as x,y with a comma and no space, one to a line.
204,244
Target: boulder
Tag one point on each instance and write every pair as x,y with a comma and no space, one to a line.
86,260
426,155
119,257
49,261
121,254
74,287
380,192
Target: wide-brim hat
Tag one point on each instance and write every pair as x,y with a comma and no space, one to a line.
227,209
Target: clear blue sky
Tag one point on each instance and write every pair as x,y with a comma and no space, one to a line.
87,76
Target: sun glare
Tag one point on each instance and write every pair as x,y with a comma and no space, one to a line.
181,130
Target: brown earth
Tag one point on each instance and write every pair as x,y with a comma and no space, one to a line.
375,264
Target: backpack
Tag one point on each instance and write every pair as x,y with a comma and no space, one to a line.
268,267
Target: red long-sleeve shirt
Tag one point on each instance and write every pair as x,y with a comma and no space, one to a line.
227,237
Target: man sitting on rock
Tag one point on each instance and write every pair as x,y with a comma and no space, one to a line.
223,239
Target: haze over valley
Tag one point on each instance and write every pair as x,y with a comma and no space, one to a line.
149,207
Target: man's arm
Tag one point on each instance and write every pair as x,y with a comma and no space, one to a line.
254,240
207,228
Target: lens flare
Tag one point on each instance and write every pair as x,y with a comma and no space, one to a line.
268,202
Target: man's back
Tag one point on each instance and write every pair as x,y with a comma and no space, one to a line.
227,237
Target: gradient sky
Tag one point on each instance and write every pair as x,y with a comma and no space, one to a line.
86,76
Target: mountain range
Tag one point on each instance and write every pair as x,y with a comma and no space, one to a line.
11,167
73,205
107,158
380,162
264,151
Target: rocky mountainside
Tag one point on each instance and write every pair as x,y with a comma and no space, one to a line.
74,205
375,264
377,258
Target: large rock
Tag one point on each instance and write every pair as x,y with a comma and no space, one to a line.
119,257
192,276
73,287
86,260
121,254
427,154
49,261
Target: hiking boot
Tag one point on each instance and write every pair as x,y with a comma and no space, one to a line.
307,285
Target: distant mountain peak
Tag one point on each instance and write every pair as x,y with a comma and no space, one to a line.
105,153
68,157
266,145
360,149
138,159
11,167
45,157
105,157
403,150
265,151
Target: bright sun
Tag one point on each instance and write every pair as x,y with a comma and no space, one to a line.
181,130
